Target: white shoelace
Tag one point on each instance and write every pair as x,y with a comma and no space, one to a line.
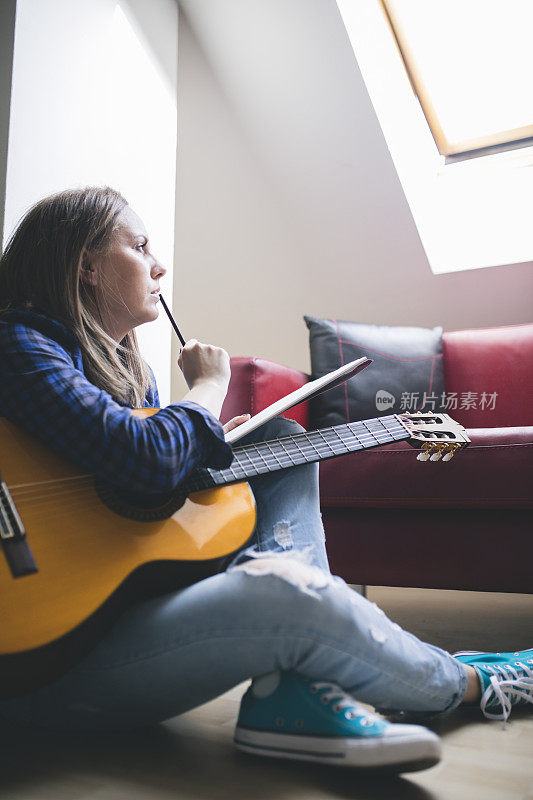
344,701
508,687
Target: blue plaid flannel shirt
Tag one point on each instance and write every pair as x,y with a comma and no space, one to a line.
43,389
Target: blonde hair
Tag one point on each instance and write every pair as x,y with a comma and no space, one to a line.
39,269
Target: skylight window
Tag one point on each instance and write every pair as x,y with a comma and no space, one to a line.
470,212
471,66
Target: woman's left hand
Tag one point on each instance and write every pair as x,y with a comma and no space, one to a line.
235,422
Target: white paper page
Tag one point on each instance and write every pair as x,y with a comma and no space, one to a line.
298,396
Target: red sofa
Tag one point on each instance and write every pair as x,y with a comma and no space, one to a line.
395,521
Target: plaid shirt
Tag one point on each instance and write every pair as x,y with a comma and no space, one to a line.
43,389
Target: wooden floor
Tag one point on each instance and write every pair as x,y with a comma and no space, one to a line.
192,757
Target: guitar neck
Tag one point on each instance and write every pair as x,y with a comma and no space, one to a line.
301,448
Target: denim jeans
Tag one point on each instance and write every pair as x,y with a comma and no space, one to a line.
276,609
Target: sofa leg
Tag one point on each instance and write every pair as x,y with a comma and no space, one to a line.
359,587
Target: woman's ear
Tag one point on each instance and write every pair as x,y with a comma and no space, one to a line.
87,271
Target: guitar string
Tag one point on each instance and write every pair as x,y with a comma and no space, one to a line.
57,497
59,486
70,501
73,478
307,435
63,492
272,461
239,451
54,480
397,427
309,450
74,506
78,501
40,514
37,513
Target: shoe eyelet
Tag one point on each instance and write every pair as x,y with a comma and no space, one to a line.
337,708
279,721
299,723
313,689
349,714
324,699
366,723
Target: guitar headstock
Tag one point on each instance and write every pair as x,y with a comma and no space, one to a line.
436,435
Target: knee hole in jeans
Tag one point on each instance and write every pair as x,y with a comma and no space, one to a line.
293,570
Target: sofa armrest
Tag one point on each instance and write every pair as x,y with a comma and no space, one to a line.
257,382
494,471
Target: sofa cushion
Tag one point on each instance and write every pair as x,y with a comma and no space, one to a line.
406,374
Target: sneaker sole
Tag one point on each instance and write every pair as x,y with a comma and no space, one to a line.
483,652
407,754
469,652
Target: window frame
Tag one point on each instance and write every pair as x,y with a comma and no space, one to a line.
499,141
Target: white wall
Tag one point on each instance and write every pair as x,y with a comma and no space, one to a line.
94,102
7,36
287,199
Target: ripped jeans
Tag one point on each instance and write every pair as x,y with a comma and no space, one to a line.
270,612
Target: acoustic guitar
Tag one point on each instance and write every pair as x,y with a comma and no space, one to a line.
76,550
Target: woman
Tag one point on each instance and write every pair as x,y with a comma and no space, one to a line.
76,278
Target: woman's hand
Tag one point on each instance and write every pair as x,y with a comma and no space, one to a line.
204,363
235,422
207,371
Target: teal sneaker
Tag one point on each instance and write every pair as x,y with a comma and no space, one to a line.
506,679
287,716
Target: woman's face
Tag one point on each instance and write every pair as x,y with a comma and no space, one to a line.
126,278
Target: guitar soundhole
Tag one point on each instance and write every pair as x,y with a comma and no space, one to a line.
134,505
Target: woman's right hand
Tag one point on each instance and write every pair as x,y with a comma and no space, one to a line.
205,364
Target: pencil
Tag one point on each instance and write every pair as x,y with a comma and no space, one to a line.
171,318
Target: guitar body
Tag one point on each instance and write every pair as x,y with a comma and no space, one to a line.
97,549
84,551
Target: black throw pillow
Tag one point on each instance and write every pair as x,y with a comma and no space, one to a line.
406,374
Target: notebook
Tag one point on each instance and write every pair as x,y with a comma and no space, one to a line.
311,389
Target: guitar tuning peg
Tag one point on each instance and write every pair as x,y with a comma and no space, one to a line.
436,456
447,456
423,456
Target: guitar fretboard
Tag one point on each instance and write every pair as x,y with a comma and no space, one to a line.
300,448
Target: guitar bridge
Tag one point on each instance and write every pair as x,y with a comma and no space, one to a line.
13,536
